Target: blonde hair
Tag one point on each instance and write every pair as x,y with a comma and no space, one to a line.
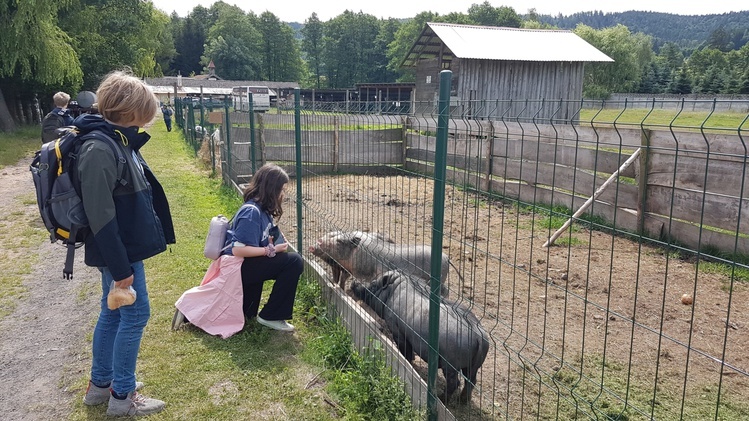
61,99
125,100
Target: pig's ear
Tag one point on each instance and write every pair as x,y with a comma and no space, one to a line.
355,240
388,278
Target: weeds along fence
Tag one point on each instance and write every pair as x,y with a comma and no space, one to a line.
604,255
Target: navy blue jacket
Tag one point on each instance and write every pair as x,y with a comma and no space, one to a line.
129,217
67,118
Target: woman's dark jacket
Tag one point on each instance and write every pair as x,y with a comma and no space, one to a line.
128,213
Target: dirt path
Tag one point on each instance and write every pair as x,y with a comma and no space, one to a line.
43,348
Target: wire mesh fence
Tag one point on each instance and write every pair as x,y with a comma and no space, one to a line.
600,250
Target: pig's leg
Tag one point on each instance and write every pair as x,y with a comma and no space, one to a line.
470,380
451,381
336,272
344,275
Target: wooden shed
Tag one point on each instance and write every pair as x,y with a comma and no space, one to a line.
510,72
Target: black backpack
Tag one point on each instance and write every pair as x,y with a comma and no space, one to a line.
51,122
58,190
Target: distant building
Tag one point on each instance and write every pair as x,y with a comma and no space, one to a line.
211,85
491,64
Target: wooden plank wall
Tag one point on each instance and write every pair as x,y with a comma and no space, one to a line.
690,180
681,182
504,80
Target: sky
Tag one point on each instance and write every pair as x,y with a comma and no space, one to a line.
300,10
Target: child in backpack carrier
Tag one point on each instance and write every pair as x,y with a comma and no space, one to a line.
129,221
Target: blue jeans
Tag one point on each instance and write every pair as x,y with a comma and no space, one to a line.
118,333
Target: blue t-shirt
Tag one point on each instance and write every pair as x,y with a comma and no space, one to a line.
252,227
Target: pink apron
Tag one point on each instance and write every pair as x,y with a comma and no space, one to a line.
216,305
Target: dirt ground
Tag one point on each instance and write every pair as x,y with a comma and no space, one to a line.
43,348
581,329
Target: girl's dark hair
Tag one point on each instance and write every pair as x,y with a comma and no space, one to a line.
265,188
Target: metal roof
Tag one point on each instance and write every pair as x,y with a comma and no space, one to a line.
188,82
450,40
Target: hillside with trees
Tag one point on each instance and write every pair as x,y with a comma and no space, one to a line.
728,31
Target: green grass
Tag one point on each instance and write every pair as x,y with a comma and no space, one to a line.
19,144
665,118
580,390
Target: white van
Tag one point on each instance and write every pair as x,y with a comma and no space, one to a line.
260,98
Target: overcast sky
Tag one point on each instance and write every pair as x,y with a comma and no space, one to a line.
299,10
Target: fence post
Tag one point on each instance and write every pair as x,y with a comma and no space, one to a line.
298,143
202,108
252,132
227,128
336,143
438,218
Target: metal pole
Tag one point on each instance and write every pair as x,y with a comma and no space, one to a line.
252,132
298,142
438,218
202,108
227,129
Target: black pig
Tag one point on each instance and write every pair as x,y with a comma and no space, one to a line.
404,305
368,255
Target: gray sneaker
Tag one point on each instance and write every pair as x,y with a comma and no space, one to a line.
96,395
134,405
281,325
178,320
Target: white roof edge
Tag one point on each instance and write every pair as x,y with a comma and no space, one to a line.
516,44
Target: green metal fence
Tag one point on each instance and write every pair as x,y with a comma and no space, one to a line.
605,254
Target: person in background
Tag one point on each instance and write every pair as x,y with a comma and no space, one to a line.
167,112
58,117
130,221
255,236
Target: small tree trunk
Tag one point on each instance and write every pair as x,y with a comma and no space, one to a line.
6,121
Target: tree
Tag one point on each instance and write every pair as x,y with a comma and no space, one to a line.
681,84
34,50
744,83
280,58
112,34
349,48
703,66
381,72
312,46
233,44
487,15
189,40
632,53
719,39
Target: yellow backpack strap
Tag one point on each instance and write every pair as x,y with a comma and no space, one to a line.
58,153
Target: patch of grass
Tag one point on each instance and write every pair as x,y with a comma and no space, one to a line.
364,385
21,230
590,388
662,118
19,144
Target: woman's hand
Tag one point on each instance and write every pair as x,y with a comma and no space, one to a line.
280,248
124,283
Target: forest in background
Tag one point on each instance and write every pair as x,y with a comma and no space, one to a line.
70,45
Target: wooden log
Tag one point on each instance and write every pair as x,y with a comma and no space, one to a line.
597,193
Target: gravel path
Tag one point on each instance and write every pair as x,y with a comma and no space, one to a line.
44,351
